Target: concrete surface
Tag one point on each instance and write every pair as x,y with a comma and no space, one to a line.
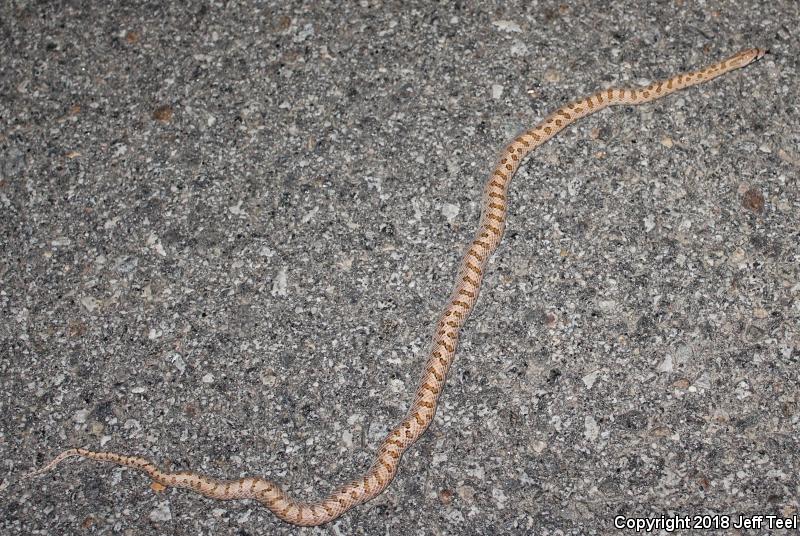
227,228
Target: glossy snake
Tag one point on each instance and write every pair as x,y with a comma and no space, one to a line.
448,326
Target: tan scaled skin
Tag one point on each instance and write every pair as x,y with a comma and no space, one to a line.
448,327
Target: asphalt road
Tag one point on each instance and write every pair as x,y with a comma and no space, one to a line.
227,228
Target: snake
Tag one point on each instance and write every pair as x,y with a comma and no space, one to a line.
457,309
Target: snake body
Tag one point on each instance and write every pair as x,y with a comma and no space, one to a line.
446,335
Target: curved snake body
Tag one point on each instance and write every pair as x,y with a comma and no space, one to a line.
448,326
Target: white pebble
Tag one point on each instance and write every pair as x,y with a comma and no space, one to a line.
590,378
450,211
590,428
507,26
161,513
497,91
279,286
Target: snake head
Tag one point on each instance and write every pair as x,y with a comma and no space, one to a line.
747,56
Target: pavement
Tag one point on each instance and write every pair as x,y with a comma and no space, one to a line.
227,229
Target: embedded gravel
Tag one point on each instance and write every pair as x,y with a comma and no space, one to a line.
227,228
